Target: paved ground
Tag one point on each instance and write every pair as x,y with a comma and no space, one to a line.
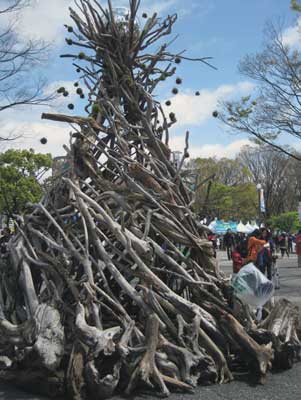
280,386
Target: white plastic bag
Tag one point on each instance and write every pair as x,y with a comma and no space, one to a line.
252,287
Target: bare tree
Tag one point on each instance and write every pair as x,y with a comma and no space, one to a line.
277,173
18,58
275,110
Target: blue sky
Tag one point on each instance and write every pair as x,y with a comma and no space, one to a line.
223,30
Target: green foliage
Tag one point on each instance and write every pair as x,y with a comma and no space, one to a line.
233,202
225,190
20,171
295,6
286,222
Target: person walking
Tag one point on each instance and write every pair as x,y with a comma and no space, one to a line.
283,244
264,258
229,243
290,243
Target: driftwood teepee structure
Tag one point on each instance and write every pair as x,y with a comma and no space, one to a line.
111,283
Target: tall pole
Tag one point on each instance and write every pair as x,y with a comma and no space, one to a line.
259,187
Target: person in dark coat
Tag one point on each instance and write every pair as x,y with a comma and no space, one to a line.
229,243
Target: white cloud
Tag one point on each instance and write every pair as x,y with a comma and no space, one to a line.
32,132
195,110
45,19
177,143
292,35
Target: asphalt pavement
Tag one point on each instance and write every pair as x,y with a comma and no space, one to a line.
279,386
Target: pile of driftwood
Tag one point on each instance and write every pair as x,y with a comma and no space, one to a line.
111,284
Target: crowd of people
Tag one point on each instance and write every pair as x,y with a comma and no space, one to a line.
259,247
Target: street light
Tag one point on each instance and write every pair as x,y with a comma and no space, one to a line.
258,187
261,203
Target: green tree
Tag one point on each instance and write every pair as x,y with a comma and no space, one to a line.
286,222
237,202
20,172
224,189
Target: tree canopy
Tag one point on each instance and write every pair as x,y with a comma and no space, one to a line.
227,190
286,222
20,171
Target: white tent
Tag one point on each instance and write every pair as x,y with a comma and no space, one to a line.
212,225
241,228
249,228
254,226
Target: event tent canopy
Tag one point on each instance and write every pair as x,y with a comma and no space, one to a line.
221,227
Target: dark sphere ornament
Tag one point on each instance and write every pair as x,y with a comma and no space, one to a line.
177,60
82,96
66,94
144,15
197,93
77,69
71,106
215,114
76,84
175,91
69,42
43,140
81,56
178,81
70,29
79,91
61,90
168,103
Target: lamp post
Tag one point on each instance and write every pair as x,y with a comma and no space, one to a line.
261,202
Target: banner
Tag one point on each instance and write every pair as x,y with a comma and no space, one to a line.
262,202
222,227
